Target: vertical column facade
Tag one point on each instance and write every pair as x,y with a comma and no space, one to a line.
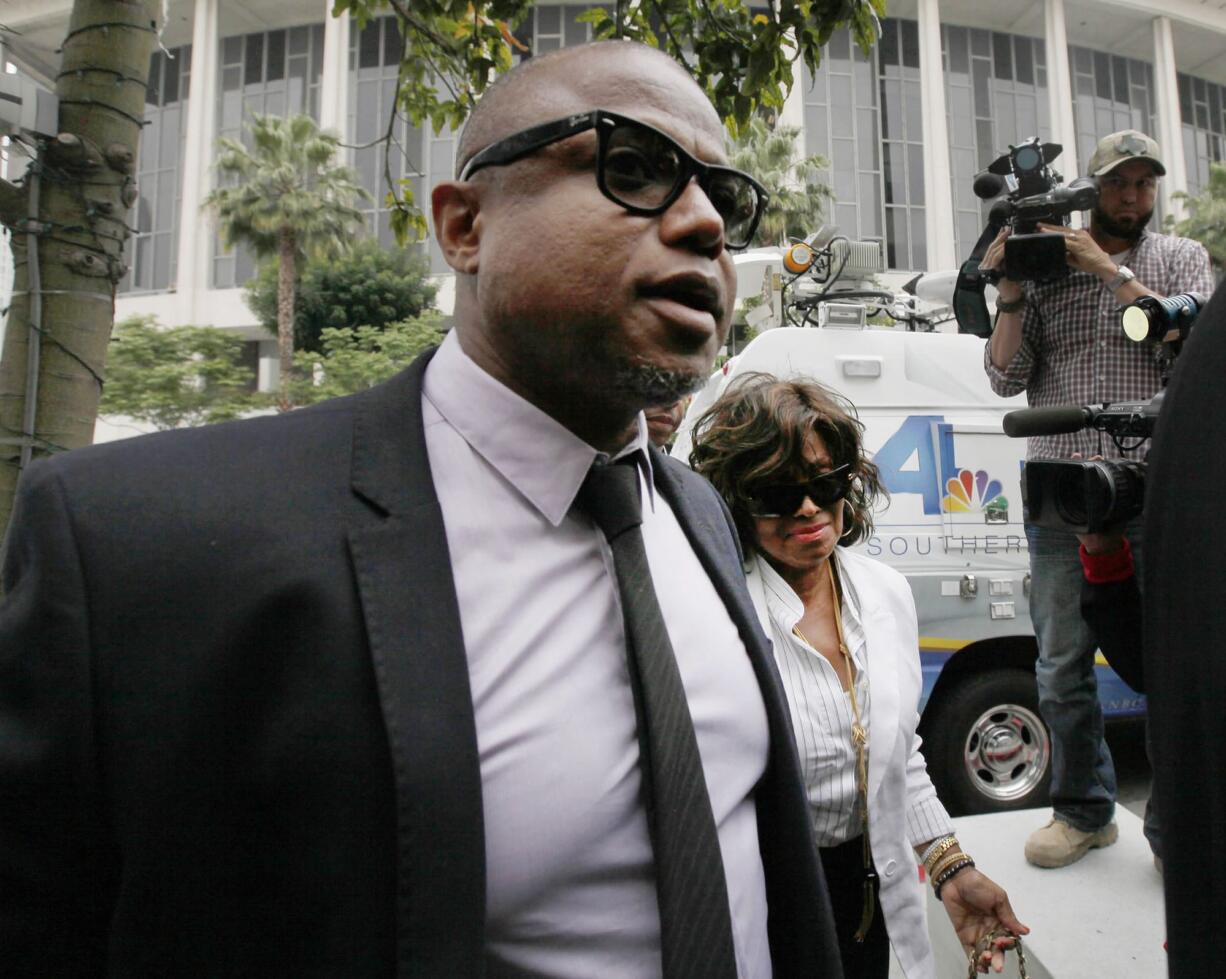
1168,118
793,111
195,230
938,197
334,83
1060,86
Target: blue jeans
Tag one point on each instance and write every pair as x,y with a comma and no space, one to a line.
1083,776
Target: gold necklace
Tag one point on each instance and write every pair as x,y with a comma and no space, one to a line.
859,741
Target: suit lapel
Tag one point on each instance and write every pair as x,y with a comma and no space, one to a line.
412,619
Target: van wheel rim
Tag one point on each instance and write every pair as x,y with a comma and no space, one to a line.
1007,752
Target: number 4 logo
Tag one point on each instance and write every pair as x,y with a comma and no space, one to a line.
908,461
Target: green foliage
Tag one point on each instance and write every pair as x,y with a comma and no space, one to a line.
286,182
742,58
798,197
367,286
182,375
1206,220
286,197
354,359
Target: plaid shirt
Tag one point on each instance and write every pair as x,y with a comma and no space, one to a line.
1074,351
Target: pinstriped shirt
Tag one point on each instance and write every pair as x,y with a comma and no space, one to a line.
1074,351
822,717
821,709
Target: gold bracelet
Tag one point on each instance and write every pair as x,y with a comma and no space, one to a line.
946,861
935,851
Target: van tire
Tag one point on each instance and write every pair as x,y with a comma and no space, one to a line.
987,748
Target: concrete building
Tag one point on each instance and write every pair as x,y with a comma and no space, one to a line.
950,85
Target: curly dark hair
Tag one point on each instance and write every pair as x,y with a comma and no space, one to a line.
756,433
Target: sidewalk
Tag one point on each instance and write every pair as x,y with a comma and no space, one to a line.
1102,916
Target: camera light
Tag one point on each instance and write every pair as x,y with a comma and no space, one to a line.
798,258
1165,319
1136,323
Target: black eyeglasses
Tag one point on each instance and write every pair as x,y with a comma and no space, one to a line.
641,169
783,500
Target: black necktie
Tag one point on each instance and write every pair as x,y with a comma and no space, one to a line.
695,924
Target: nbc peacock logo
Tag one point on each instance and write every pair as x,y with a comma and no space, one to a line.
976,493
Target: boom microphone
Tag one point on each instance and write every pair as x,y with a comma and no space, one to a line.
988,185
1057,420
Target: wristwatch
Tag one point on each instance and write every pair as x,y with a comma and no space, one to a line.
1122,274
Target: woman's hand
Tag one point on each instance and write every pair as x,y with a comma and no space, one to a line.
977,905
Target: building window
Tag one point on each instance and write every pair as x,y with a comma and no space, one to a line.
421,157
902,145
269,73
552,26
1202,107
417,156
863,113
1110,93
842,124
995,97
153,247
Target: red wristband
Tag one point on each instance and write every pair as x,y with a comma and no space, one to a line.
1102,569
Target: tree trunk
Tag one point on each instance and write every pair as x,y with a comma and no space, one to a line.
81,192
287,275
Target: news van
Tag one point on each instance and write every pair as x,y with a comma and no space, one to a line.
953,526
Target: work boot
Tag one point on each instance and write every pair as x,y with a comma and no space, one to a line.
1058,844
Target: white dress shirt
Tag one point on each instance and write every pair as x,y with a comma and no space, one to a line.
821,709
822,716
570,885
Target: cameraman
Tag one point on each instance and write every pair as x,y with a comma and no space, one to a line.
1061,343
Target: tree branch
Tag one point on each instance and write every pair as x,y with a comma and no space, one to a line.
678,52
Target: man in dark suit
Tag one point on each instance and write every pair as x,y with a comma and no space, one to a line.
345,692
1184,624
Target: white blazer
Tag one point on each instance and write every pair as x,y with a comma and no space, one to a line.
897,774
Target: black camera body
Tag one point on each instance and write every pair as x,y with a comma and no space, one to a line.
1090,495
1030,254
1085,496
1034,197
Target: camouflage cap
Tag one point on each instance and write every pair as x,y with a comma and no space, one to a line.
1128,144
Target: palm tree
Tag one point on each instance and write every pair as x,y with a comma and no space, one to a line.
1206,220
798,194
285,197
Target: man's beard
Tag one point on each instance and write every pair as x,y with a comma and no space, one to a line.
650,385
1128,229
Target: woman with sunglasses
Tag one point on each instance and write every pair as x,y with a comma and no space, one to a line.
788,459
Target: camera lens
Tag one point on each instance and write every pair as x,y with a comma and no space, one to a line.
1028,158
1069,494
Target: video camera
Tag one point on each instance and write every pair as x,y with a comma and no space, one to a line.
1089,495
1034,196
